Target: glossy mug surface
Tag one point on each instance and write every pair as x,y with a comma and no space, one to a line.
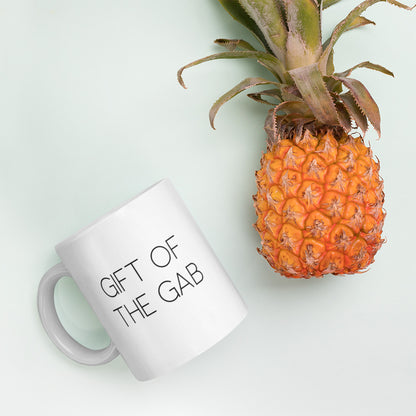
152,279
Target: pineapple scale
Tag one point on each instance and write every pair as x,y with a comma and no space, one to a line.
319,205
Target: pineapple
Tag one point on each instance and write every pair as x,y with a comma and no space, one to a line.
320,197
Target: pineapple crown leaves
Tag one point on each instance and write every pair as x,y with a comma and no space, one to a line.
306,88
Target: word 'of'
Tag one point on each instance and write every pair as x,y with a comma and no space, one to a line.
160,256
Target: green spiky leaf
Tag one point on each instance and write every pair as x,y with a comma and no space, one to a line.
311,85
235,44
240,87
364,100
304,36
330,68
343,116
268,17
355,23
365,64
295,107
273,93
358,22
291,93
333,85
346,23
308,89
354,111
236,10
267,60
329,3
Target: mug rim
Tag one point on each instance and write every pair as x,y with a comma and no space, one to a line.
109,214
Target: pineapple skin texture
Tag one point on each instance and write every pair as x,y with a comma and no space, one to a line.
319,205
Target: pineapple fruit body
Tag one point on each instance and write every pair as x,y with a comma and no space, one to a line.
319,205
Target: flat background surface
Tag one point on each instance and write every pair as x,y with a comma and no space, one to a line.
91,114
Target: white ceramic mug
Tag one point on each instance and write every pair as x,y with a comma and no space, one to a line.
153,281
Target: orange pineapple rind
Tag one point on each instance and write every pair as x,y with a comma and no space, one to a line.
337,228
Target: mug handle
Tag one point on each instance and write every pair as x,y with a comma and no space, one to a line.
54,328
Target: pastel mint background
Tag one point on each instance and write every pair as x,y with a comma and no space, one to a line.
91,114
